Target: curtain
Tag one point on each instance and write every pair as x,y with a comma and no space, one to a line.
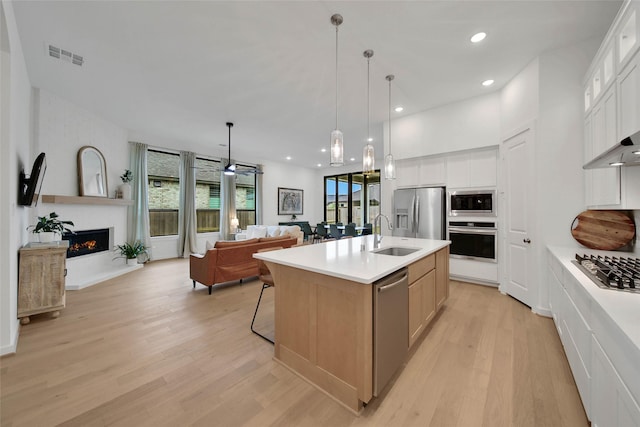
138,213
227,204
187,239
259,196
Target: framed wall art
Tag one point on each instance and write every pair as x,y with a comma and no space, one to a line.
290,201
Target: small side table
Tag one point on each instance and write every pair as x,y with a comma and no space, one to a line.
41,279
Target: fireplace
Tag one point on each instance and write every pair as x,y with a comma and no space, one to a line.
85,242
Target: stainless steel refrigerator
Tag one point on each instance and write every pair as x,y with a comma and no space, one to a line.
419,212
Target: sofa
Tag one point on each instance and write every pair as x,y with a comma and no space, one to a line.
261,231
229,261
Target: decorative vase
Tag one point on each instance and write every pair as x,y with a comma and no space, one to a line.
125,190
132,261
48,236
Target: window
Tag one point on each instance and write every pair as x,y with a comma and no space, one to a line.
207,195
164,192
246,199
352,197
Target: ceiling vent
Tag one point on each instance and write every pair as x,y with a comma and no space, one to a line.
65,55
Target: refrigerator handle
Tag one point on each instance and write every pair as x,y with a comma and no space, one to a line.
412,219
416,215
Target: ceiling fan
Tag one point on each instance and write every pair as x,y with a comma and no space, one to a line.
232,168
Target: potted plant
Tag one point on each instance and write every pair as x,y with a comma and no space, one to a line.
50,228
125,187
131,251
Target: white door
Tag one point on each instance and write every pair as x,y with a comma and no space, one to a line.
519,270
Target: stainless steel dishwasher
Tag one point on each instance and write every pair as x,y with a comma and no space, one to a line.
390,327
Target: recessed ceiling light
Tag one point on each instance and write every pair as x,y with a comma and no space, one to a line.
398,109
637,152
476,38
487,82
353,159
288,157
319,165
616,164
369,139
324,150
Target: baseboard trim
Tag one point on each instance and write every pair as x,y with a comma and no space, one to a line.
473,280
99,278
12,347
542,312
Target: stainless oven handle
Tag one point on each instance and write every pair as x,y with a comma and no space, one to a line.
485,231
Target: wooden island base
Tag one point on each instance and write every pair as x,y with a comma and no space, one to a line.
323,332
324,325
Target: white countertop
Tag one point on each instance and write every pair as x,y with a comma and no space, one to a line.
622,307
344,259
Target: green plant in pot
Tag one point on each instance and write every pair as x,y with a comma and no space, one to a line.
131,251
50,228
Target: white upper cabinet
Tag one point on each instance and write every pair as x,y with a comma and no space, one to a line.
605,183
469,169
407,172
612,111
420,172
472,169
629,98
627,33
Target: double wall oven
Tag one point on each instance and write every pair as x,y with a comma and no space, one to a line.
473,231
474,240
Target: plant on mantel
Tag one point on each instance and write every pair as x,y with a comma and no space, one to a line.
49,226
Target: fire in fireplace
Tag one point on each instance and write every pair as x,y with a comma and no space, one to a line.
85,242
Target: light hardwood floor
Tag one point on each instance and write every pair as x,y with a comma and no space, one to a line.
146,349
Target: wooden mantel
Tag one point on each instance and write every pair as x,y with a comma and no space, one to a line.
84,200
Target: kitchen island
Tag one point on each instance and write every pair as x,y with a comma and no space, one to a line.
324,307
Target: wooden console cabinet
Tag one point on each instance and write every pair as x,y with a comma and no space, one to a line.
41,279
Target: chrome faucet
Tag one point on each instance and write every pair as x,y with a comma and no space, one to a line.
377,222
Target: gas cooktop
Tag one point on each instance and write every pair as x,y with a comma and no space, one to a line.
619,273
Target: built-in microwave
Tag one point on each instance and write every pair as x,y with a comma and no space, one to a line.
472,203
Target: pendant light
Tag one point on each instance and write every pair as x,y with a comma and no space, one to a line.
368,155
389,163
336,144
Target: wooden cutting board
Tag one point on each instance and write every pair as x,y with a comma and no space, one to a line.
603,230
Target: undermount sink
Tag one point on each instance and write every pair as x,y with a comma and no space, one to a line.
395,251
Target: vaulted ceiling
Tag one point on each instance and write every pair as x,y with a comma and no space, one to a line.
176,71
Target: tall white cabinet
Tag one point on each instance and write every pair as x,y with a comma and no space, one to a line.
612,111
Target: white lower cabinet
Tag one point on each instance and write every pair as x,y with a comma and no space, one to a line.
584,329
575,334
612,405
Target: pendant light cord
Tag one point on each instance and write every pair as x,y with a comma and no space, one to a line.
389,116
337,76
368,103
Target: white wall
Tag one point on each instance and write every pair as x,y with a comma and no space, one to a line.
290,176
61,129
519,99
468,124
549,92
16,154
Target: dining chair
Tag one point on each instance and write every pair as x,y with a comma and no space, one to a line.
368,229
321,232
309,234
334,231
267,282
350,230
